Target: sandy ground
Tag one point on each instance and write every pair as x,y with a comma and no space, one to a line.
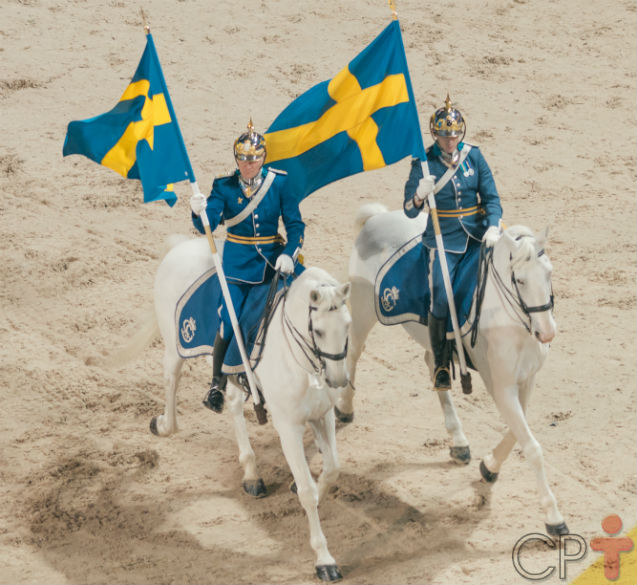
90,496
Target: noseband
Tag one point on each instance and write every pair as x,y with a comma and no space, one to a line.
316,350
537,309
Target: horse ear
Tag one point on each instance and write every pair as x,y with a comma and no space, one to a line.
315,295
344,290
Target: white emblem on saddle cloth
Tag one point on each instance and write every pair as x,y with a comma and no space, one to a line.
390,298
188,328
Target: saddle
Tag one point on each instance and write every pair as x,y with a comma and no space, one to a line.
401,288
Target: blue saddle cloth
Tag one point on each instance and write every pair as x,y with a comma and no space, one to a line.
197,320
402,292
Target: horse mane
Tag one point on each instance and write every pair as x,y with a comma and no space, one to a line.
313,277
527,247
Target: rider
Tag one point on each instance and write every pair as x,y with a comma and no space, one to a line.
469,211
250,202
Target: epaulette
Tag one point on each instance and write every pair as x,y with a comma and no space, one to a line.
277,171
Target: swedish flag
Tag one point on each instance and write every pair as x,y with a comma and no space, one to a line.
364,118
139,138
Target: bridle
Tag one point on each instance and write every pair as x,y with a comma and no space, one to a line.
310,348
513,299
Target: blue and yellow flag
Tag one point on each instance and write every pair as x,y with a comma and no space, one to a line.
140,137
364,118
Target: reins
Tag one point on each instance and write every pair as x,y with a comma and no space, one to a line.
310,349
513,299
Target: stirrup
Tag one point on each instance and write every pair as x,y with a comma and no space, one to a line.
442,379
215,398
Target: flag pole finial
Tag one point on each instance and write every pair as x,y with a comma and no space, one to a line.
392,6
145,22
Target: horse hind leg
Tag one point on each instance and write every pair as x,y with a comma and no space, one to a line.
252,484
363,320
166,424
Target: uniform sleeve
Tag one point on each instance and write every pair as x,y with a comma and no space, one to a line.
214,210
489,197
415,174
294,225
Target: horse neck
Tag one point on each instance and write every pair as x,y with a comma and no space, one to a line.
496,306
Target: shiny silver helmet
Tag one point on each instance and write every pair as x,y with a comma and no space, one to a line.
447,121
250,145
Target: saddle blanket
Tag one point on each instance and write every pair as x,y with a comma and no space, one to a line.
197,321
401,289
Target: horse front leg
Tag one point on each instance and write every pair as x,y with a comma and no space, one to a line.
508,403
324,431
166,424
459,450
291,436
252,484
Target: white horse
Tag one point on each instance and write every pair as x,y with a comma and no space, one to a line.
301,372
515,326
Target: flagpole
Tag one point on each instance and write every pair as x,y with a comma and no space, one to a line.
258,406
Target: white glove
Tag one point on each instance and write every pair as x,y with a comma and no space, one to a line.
198,203
284,264
491,236
426,186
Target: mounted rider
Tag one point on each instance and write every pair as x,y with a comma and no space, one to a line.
249,202
469,212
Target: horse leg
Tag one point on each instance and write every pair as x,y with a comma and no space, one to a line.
324,430
291,436
166,424
252,484
363,319
459,450
508,402
492,462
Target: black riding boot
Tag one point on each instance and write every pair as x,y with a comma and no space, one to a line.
215,398
442,352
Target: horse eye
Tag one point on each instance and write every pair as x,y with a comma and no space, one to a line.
318,332
520,281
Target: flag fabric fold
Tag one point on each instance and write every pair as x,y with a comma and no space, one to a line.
362,119
140,137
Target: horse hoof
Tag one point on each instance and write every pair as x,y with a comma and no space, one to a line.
557,529
488,476
153,426
328,573
343,417
255,488
293,487
460,454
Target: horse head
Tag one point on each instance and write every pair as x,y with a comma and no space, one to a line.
530,270
328,328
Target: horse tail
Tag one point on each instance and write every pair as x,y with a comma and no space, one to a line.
145,332
365,212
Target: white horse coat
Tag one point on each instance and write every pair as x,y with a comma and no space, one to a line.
516,324
301,374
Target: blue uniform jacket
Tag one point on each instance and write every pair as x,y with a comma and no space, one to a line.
252,245
467,205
